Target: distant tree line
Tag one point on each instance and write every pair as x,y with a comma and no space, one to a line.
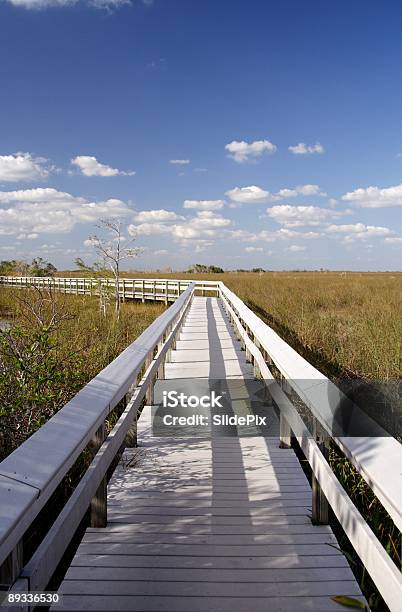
37,267
252,270
203,269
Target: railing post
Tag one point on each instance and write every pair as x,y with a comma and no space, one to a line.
161,369
131,436
143,291
149,396
11,568
166,291
256,369
285,433
169,351
99,500
319,504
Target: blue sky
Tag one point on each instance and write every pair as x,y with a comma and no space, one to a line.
286,118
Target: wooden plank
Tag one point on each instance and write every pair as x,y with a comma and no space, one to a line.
285,499
202,354
205,519
166,497
217,370
188,539
192,550
212,589
183,344
212,604
266,528
233,562
274,508
148,574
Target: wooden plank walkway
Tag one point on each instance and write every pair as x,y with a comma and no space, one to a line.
219,524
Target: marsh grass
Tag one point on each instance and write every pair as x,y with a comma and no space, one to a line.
50,366
345,323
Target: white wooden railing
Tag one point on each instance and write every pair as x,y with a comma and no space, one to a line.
377,458
161,289
32,473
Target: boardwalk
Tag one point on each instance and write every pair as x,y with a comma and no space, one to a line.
209,524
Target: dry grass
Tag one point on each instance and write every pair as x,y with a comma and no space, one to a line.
345,323
40,370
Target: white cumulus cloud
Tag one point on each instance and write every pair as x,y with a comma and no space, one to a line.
359,231
89,166
242,151
179,162
248,195
44,4
22,167
189,232
376,197
255,195
204,204
294,248
46,210
161,215
298,216
303,149
272,236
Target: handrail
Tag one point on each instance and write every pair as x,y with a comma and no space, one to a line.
128,287
378,459
30,474
375,559
187,281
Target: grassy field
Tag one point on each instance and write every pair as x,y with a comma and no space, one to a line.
43,365
345,323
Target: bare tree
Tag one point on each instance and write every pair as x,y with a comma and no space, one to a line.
98,271
112,252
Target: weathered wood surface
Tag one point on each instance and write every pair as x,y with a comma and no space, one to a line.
218,524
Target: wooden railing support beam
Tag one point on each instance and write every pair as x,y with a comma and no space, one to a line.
131,436
149,396
11,568
98,508
319,503
285,433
